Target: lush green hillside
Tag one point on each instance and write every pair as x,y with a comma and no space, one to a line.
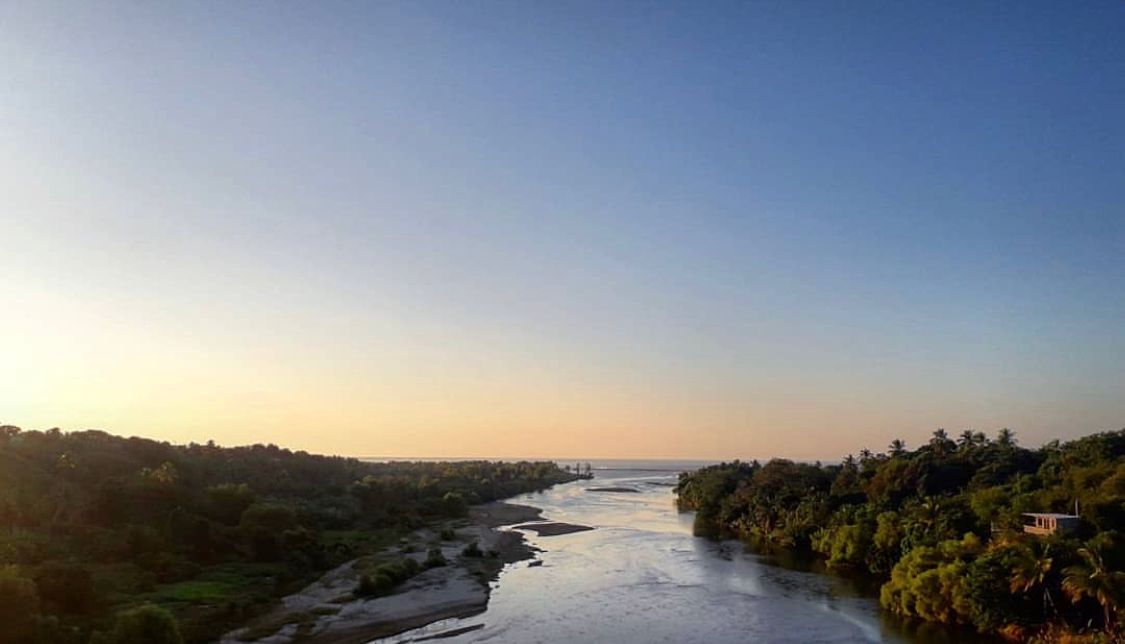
93,526
942,525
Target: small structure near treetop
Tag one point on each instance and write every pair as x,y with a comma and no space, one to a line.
1045,523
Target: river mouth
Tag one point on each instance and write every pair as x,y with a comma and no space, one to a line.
641,576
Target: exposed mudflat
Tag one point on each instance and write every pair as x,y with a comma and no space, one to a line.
499,513
552,528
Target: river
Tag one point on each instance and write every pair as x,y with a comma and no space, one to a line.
640,576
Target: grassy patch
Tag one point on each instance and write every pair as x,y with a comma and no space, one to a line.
228,582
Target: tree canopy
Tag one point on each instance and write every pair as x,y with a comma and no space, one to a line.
942,525
94,525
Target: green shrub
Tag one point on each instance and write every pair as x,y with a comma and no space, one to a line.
448,534
150,624
412,566
375,585
400,570
366,586
932,583
384,584
434,558
845,545
385,577
472,550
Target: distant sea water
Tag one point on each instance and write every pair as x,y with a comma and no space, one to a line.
620,464
650,464
640,576
597,464
639,464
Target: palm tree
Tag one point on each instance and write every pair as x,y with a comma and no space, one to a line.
897,447
1032,570
940,443
967,439
1006,438
930,513
1092,579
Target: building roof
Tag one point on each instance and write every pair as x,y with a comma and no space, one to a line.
1051,515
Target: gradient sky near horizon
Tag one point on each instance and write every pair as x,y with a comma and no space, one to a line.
595,229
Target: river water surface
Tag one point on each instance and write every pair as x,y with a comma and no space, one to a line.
640,576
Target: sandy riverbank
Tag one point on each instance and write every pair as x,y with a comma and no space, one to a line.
327,611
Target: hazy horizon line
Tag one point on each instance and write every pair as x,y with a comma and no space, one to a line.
562,460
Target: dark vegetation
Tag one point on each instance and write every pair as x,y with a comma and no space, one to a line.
942,526
434,558
472,550
106,539
384,579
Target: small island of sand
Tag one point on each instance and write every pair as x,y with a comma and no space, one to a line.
552,528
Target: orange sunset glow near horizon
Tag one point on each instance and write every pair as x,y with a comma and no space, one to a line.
394,231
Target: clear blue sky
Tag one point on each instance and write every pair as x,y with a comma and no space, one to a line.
603,229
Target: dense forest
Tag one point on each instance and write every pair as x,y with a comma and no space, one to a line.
942,526
110,540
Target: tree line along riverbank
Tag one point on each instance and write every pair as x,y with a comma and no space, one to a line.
108,539
942,527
